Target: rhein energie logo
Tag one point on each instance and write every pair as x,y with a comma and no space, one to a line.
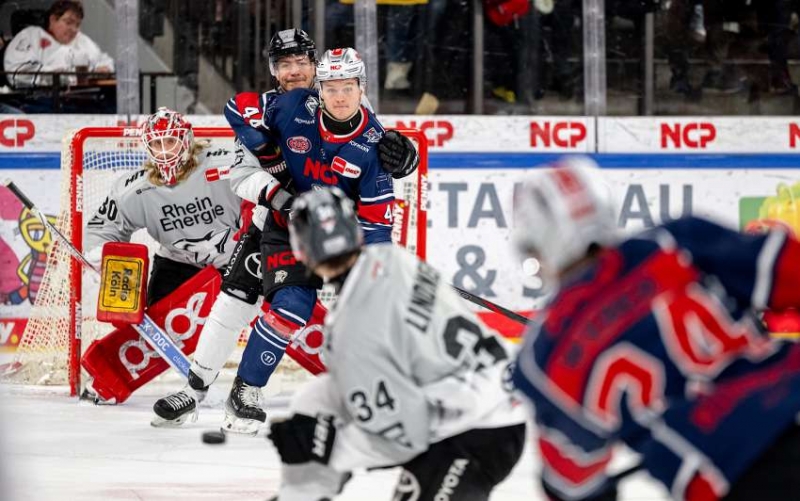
201,211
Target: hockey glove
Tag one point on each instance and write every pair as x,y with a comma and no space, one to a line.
302,439
398,155
271,160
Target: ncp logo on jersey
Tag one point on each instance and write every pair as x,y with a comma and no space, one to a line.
564,134
694,135
14,133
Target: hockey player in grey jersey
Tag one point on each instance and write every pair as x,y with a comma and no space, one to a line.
417,382
181,197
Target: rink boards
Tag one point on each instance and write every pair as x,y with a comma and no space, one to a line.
728,168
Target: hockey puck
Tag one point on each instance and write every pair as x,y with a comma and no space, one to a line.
213,437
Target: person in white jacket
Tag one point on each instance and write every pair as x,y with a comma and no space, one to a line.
60,47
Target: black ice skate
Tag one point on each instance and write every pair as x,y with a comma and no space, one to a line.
175,409
243,412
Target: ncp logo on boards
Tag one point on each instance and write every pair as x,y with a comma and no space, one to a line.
794,135
562,134
15,132
438,132
695,135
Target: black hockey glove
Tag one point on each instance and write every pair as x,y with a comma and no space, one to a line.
271,159
304,438
398,155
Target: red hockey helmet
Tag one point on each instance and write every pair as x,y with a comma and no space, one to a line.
168,139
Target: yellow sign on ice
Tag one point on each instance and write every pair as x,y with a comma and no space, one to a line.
122,283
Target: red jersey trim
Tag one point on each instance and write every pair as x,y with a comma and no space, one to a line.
330,137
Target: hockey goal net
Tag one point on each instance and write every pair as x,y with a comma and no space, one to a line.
62,322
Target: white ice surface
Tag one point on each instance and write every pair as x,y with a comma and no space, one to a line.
56,448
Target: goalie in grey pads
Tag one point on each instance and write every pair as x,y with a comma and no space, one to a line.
418,383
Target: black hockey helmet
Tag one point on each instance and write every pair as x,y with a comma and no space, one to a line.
323,227
290,42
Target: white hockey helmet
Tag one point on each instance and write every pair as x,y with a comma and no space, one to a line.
341,64
561,210
168,156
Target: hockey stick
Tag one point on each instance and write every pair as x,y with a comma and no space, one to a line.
617,477
148,329
491,306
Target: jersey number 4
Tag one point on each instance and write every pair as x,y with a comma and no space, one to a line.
701,339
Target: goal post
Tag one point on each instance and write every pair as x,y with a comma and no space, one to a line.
63,320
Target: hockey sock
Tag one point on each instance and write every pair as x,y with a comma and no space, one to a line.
227,318
265,348
289,311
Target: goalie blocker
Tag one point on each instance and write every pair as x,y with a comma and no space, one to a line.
123,283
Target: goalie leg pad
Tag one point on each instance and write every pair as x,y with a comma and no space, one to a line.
226,320
122,361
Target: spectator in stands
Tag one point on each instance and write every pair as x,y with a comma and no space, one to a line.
684,28
722,22
59,47
775,18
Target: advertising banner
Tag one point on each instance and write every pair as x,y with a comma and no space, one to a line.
730,168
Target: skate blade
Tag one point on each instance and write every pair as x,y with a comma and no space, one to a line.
240,426
159,422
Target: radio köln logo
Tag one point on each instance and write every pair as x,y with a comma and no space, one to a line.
299,144
345,168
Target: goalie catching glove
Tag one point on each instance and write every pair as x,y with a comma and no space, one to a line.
398,155
303,439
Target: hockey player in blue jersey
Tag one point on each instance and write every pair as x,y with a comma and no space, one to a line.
292,60
648,341
326,139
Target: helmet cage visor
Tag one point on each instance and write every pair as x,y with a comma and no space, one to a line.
168,139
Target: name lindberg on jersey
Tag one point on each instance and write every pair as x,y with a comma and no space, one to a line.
423,297
179,217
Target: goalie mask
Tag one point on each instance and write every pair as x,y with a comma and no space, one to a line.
168,139
292,42
323,227
341,64
560,211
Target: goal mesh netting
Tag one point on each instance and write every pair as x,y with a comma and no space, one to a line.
63,320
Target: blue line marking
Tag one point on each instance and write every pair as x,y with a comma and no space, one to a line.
442,160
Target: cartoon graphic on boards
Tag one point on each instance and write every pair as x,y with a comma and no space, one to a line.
23,262
758,215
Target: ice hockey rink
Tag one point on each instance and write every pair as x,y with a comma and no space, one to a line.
56,448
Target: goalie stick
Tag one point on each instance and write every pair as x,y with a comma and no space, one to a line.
162,343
